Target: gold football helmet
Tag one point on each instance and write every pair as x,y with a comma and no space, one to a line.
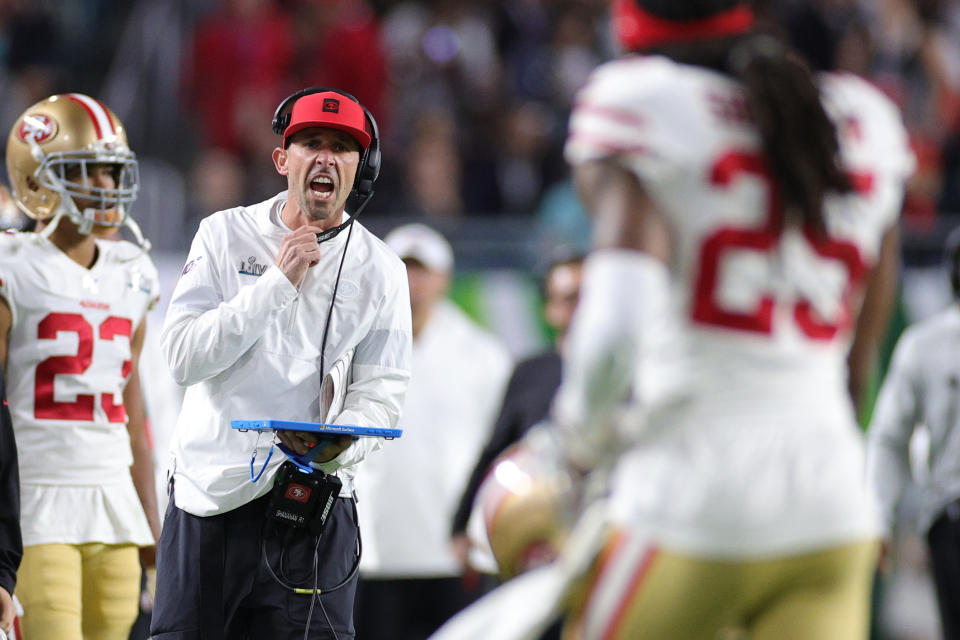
528,502
51,151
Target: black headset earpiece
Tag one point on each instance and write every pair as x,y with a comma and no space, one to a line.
369,167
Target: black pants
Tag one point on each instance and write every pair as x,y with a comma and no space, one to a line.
214,578
944,540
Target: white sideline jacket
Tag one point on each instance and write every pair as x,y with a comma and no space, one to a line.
922,387
247,343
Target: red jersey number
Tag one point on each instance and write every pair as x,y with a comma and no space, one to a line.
708,310
45,407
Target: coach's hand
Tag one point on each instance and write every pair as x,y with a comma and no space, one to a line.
298,252
302,441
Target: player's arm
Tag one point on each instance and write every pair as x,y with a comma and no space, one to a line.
624,294
142,469
874,315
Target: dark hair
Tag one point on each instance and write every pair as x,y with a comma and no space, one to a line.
799,139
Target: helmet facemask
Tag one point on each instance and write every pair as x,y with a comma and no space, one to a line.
67,174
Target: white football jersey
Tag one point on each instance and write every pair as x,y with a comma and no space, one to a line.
69,355
762,309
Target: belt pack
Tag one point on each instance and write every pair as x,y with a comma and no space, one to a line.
303,500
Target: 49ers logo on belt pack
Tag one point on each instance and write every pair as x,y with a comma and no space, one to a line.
297,492
39,126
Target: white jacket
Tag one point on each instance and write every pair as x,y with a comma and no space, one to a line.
247,343
922,387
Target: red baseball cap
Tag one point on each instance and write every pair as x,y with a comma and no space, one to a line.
331,110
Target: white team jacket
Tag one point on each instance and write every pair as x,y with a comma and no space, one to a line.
922,387
247,343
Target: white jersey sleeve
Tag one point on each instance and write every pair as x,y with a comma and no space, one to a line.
10,247
625,111
143,273
874,144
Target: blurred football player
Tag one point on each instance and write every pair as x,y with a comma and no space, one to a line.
745,230
746,242
72,308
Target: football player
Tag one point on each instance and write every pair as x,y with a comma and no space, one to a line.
745,224
72,308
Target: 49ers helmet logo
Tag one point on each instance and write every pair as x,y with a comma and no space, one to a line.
38,126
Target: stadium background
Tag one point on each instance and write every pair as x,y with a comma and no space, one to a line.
472,98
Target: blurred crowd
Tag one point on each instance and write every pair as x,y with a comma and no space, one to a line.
472,97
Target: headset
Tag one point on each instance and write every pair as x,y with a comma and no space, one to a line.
369,167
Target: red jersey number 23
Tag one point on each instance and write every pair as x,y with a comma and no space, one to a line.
81,409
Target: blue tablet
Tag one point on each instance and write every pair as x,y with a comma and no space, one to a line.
316,427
